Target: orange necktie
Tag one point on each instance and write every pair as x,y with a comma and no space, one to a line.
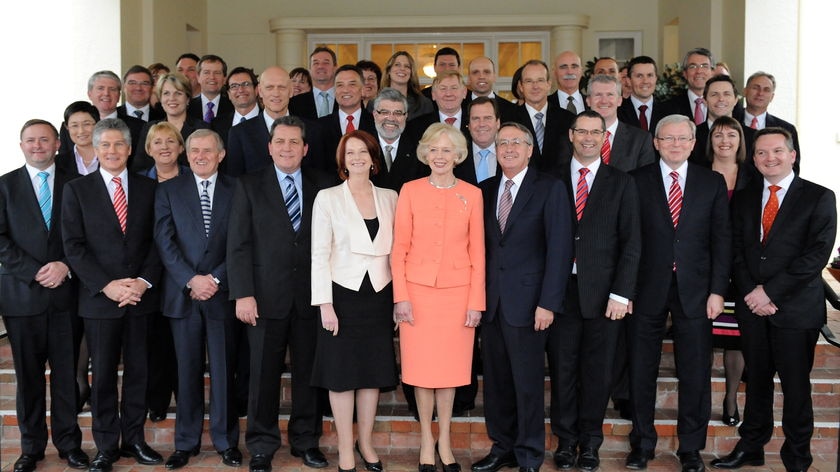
771,209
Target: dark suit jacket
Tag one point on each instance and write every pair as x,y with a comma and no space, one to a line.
466,170
789,265
99,252
135,125
247,147
627,114
195,110
67,162
155,113
527,265
26,245
701,245
330,133
264,253
631,148
303,106
679,104
556,146
553,98
185,250
405,167
223,124
507,109
608,238
417,126
143,161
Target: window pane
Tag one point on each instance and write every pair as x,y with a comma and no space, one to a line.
508,59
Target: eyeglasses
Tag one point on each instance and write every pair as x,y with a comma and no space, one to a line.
698,66
592,132
142,83
678,139
394,113
234,86
512,142
534,81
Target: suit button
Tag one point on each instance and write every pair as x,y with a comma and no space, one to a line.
763,258
577,238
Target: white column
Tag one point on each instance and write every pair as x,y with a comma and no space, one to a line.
291,47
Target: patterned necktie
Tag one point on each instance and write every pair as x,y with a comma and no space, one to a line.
350,128
581,193
754,123
209,115
45,198
450,121
323,104
571,105
675,198
643,122
138,114
505,204
606,148
771,209
699,116
292,203
481,173
241,120
389,157
539,129
206,206
120,203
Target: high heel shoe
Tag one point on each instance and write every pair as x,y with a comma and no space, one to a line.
453,467
371,466
346,470
426,468
731,420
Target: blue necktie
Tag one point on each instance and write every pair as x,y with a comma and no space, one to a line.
292,203
481,172
45,198
206,206
324,105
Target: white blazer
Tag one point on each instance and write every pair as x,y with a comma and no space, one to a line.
342,251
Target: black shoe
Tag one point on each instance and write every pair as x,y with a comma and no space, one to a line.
312,457
28,462
588,459
731,420
231,456
180,458
638,459
426,468
76,458
492,462
453,467
104,461
260,463
623,409
739,458
564,456
156,416
370,466
691,461
529,469
346,470
142,453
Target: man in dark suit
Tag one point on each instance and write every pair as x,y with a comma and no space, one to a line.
720,95
697,67
269,247
446,59
529,248
483,124
38,299
686,257
758,94
582,343
107,224
543,117
320,101
784,230
567,75
191,225
398,163
187,64
641,109
211,103
138,85
241,86
481,80
448,92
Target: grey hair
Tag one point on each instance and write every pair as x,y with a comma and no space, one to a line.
674,120
111,124
104,74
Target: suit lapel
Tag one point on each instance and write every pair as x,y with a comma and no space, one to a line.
525,192
188,192
273,193
620,145
492,208
789,202
600,187
661,198
221,201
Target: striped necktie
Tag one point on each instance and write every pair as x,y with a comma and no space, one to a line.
292,203
120,203
675,198
44,197
581,193
505,204
606,148
539,129
206,206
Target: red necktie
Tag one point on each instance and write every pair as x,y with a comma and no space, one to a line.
450,121
699,116
120,203
771,209
675,198
350,128
581,193
606,149
643,123
754,123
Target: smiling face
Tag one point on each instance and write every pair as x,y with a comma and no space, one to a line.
643,81
173,101
287,147
759,94
275,88
720,100
449,93
242,92
164,147
483,125
138,89
604,98
388,125
587,146
371,86
357,158
512,150
441,155
535,85
322,69
189,68
113,151
39,145
674,151
698,70
300,84
211,78
773,158
104,95
348,91
567,71
204,156
725,142
400,72
80,126
482,76
606,66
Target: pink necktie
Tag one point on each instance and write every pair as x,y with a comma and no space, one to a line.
675,198
450,121
120,203
754,123
505,204
699,116
606,149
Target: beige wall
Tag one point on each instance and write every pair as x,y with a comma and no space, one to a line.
161,30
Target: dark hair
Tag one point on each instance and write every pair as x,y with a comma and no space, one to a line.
731,123
536,62
137,69
188,55
35,122
301,71
324,49
213,58
364,65
242,70
372,146
640,60
589,114
775,130
352,68
720,78
448,51
80,107
483,101
289,120
158,66
700,52
514,84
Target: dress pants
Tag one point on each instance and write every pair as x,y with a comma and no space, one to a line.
581,353
269,340
34,340
692,349
163,371
191,335
114,415
767,350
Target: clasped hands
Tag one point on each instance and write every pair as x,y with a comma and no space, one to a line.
759,302
126,291
403,313
202,287
52,274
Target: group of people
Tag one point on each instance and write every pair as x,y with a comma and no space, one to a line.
229,215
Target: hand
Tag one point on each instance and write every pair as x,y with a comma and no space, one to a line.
714,306
202,287
52,274
543,319
403,312
246,310
616,310
329,320
766,310
473,319
630,307
124,291
757,299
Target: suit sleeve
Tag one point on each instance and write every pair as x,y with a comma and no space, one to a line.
646,153
477,298
559,253
322,237
240,250
76,244
630,242
720,236
14,259
235,162
403,227
166,240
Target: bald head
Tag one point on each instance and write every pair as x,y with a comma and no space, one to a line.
275,88
567,71
482,76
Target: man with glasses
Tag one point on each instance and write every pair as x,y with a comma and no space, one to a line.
242,92
399,163
138,91
697,68
685,268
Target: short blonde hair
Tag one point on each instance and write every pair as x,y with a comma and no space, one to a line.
434,132
179,81
162,127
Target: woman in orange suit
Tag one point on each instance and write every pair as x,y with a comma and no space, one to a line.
438,271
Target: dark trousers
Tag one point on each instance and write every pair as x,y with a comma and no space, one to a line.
35,340
191,335
163,370
118,415
580,358
768,350
692,348
269,340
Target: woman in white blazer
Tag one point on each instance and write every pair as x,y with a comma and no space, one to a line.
352,233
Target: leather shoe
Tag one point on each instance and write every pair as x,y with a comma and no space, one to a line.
180,458
76,458
492,462
157,416
739,458
142,453
529,469
312,457
28,462
691,461
638,459
260,463
588,459
564,456
231,456
103,461
369,466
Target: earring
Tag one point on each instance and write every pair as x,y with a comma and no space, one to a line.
346,172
